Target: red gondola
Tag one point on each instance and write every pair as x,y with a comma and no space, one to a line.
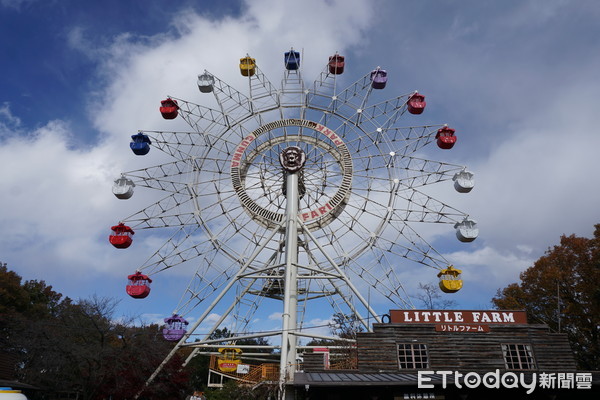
139,285
445,138
336,64
121,237
169,108
416,103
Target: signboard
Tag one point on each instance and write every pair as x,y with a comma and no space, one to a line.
243,368
461,317
325,352
469,328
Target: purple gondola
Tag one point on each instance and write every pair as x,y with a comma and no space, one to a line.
378,78
175,328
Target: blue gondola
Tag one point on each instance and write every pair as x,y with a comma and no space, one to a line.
292,60
140,144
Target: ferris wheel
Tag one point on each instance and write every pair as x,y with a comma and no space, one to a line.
298,193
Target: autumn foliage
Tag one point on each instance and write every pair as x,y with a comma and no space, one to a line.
78,348
562,290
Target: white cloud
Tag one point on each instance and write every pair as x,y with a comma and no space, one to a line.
9,123
528,131
275,316
15,4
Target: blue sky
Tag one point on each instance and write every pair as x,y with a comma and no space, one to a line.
517,79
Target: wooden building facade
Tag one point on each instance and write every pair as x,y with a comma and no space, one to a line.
453,354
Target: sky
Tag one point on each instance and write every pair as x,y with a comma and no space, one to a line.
518,80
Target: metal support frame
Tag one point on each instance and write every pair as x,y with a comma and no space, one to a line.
289,340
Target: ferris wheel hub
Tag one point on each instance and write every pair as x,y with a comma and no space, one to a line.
292,159
252,162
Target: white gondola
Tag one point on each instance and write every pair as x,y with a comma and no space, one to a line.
464,181
466,231
206,82
7,393
123,188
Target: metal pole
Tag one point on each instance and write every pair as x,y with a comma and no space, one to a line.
290,302
292,160
208,310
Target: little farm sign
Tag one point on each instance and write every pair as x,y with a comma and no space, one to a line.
457,317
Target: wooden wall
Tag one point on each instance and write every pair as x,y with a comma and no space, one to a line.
377,351
7,366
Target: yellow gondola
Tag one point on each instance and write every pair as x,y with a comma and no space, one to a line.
229,359
247,66
450,281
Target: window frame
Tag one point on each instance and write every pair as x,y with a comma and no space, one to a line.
518,356
416,356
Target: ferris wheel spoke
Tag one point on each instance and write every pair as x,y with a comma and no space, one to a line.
234,105
388,112
167,212
380,116
202,119
263,94
385,281
408,140
344,99
171,252
162,176
194,296
417,172
405,242
424,208
180,145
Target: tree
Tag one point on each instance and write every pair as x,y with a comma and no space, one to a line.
79,347
431,298
562,290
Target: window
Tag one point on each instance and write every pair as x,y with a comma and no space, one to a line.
518,356
412,356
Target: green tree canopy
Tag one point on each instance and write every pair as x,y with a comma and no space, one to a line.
562,290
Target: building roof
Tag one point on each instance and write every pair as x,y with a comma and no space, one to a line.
348,378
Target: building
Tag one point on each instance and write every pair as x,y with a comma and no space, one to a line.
453,354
